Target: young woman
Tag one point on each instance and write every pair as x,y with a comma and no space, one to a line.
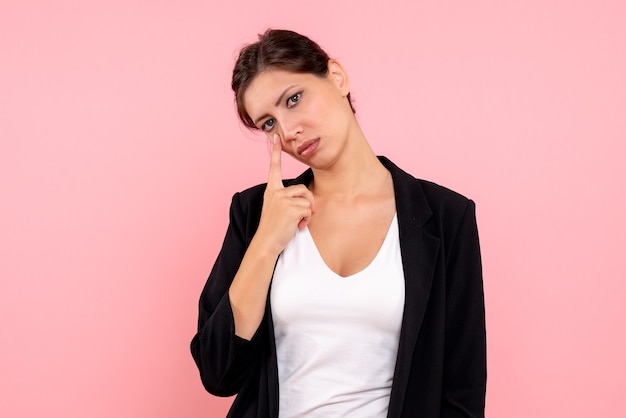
354,290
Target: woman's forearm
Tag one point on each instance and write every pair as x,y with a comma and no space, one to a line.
248,291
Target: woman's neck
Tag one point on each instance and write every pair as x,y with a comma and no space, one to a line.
356,171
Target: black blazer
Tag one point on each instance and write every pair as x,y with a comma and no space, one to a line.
441,365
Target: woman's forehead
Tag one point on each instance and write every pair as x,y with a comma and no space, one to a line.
275,78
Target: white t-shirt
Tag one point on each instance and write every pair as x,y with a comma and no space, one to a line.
336,337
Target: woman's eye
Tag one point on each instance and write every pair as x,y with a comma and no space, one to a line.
293,100
267,125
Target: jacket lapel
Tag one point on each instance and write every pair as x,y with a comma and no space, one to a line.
419,251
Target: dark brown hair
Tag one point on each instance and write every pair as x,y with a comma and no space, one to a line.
276,48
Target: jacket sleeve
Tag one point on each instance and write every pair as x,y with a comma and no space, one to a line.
465,365
223,358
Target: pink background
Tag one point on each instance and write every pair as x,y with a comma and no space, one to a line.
120,151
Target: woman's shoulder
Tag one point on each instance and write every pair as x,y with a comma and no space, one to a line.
433,193
442,195
447,207
252,193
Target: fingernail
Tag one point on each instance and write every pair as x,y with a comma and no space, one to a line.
275,138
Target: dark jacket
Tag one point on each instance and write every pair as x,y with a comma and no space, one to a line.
441,365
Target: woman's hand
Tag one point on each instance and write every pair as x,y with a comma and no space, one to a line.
284,208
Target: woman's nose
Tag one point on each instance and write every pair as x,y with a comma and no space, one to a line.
291,128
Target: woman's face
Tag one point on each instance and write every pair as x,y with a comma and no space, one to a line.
310,114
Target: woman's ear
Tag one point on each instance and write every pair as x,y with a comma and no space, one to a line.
339,76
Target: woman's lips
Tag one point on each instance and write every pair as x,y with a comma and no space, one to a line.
308,147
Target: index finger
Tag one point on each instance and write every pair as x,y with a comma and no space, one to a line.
275,178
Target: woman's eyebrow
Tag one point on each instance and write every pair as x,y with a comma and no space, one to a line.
280,99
